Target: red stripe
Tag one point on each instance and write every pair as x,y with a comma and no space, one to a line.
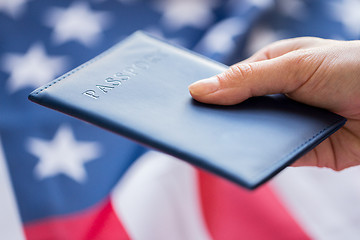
98,222
231,212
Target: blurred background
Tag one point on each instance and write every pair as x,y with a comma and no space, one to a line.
61,178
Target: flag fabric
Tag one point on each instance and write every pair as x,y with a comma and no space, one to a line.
71,180
10,224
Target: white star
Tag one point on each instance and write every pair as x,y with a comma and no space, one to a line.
293,8
127,1
260,37
64,154
78,22
14,8
121,1
260,3
155,31
347,12
32,69
220,39
244,6
182,13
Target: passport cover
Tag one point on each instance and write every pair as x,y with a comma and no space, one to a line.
139,89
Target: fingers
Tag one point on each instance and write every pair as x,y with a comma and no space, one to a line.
282,74
275,49
282,47
308,160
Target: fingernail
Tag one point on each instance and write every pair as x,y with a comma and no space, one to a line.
205,86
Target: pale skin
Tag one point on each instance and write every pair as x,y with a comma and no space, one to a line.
318,72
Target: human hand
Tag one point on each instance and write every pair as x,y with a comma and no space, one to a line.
314,71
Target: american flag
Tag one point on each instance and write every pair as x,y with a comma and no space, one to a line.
61,178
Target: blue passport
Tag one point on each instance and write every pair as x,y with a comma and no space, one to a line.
139,89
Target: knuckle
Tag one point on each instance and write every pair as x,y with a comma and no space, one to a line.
302,57
300,62
304,65
309,59
236,73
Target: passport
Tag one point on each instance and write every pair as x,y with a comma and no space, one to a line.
139,89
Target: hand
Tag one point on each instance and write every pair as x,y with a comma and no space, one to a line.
314,71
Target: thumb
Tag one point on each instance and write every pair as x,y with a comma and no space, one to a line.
283,74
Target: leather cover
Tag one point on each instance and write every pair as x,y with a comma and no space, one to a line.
138,89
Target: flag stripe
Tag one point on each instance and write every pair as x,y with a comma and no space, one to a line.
232,212
326,203
10,224
99,222
158,199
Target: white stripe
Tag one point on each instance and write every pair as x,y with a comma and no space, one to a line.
325,203
158,199
10,224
